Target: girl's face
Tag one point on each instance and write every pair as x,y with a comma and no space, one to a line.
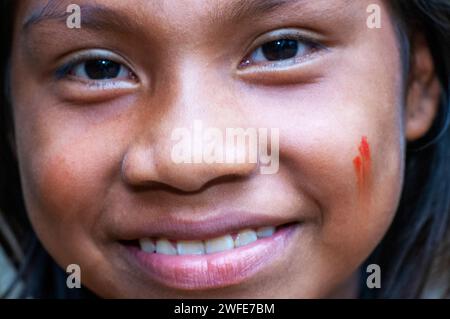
95,109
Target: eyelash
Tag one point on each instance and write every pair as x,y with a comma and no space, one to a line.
311,48
68,69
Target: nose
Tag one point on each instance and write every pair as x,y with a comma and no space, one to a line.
147,165
187,148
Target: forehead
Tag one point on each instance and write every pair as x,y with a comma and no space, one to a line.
184,13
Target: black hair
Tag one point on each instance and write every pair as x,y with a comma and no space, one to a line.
414,255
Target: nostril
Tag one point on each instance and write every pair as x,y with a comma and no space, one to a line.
138,166
197,186
224,179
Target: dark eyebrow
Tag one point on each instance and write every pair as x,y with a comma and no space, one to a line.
241,9
96,16
93,16
51,11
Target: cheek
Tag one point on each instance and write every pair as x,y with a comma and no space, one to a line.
342,142
58,191
65,181
319,144
62,181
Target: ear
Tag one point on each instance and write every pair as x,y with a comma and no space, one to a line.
423,91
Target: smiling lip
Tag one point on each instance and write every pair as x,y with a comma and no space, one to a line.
182,227
191,272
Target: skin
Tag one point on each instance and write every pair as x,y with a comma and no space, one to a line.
95,160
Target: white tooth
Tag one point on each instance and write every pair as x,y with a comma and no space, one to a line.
264,232
245,237
190,247
163,246
147,245
219,244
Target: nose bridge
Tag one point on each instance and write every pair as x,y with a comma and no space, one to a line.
188,147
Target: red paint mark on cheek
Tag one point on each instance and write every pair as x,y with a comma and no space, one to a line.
362,165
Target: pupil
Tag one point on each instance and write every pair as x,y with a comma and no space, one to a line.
280,50
102,69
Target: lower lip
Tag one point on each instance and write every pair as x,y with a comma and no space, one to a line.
231,267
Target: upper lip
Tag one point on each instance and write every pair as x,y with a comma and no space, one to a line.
184,228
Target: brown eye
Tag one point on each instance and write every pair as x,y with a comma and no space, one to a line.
284,50
280,50
97,66
100,69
